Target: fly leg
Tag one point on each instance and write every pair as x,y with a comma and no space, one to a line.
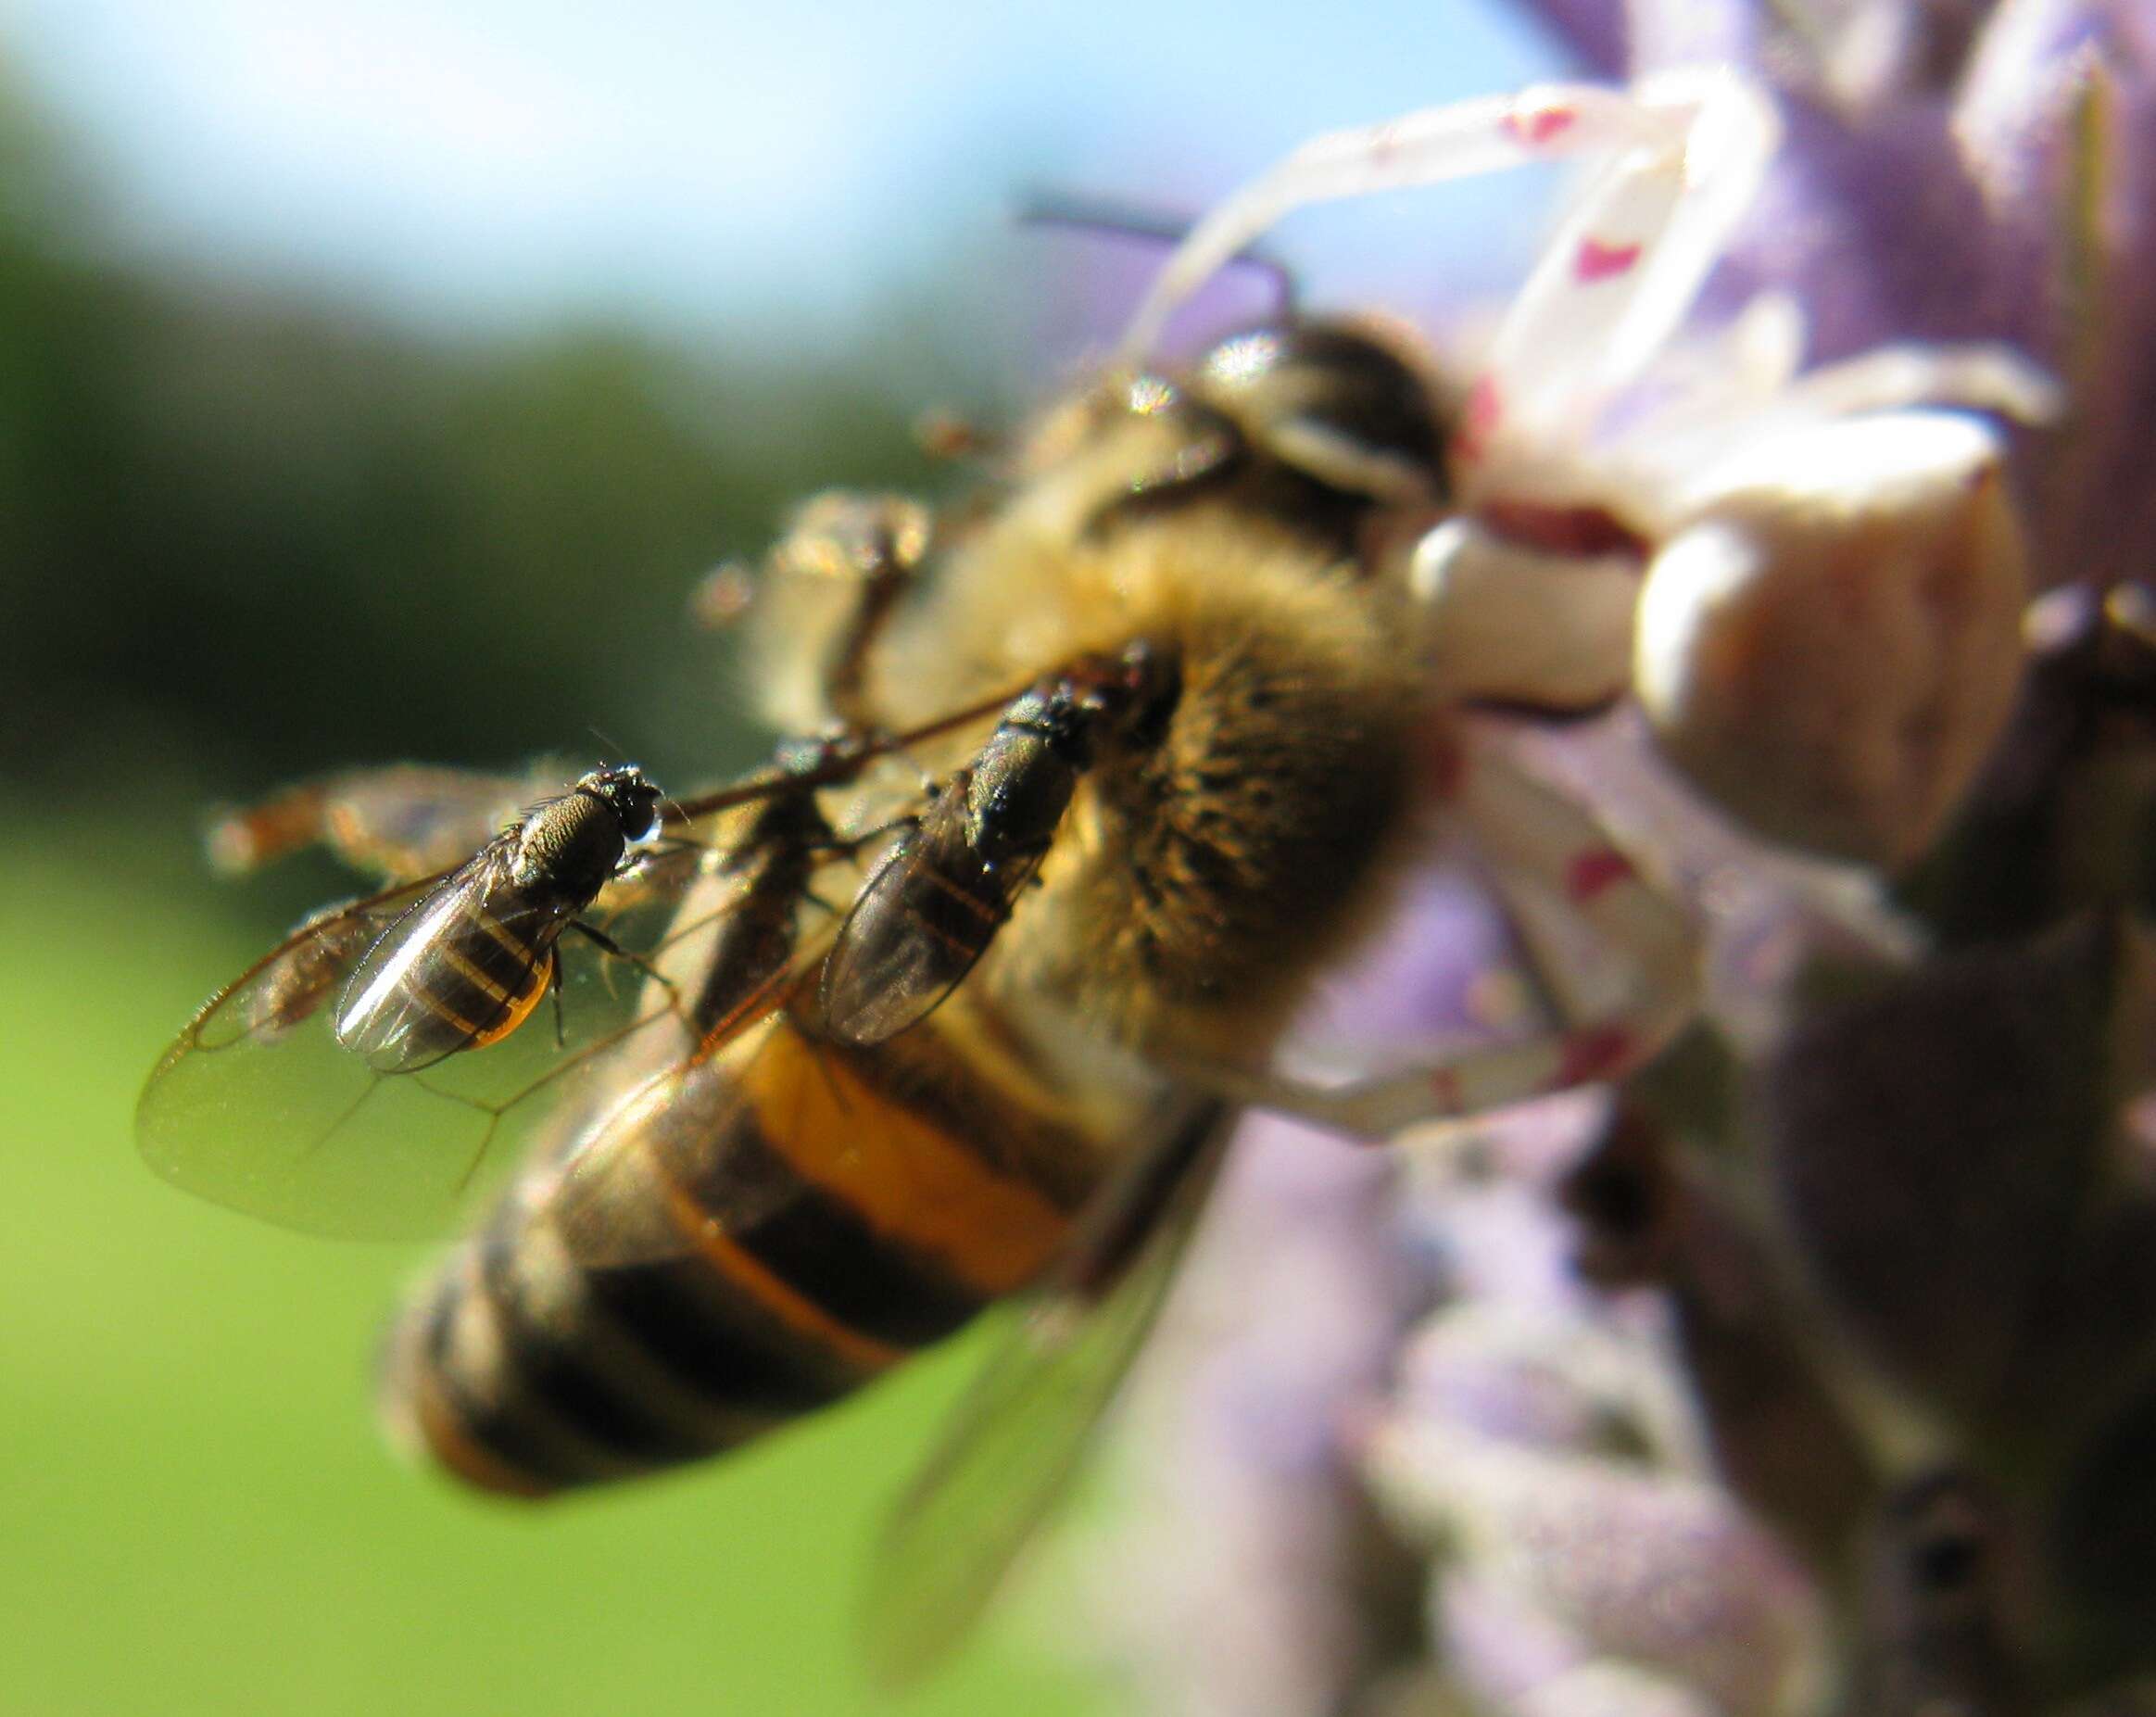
607,945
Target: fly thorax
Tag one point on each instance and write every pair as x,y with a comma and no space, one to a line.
570,848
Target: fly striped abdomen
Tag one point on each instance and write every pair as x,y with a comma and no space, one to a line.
467,973
466,965
480,978
486,969
744,1241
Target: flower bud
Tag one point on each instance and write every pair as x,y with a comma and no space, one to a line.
1651,1566
1831,646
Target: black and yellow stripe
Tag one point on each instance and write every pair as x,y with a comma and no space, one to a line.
478,981
836,1212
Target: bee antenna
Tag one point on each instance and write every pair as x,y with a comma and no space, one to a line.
1106,217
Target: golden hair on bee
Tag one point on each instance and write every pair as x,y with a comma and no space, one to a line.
1111,760
1203,873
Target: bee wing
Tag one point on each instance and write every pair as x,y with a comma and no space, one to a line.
257,1106
1012,1448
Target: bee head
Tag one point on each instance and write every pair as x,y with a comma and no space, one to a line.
1334,402
624,791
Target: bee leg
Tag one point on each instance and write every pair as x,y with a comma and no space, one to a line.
1687,151
400,821
1566,885
857,555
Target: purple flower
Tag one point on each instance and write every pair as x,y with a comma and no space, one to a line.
1963,173
1650,1409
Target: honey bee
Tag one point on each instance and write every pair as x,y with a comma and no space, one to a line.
809,1143
1113,763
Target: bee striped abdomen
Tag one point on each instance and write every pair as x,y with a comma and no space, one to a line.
816,1260
768,1233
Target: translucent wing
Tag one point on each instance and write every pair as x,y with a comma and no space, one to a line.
922,922
257,1106
1011,1451
674,1116
673,1130
464,964
946,887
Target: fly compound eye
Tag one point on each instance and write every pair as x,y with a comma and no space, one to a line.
625,791
638,807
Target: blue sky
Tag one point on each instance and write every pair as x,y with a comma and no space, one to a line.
692,166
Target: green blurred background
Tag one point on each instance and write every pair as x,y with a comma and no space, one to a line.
259,519
243,538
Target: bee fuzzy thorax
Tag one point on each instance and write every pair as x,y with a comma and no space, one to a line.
1206,871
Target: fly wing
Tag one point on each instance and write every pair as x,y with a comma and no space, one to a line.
256,1105
923,920
463,962
1013,1447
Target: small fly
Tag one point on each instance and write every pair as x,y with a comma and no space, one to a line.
468,962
